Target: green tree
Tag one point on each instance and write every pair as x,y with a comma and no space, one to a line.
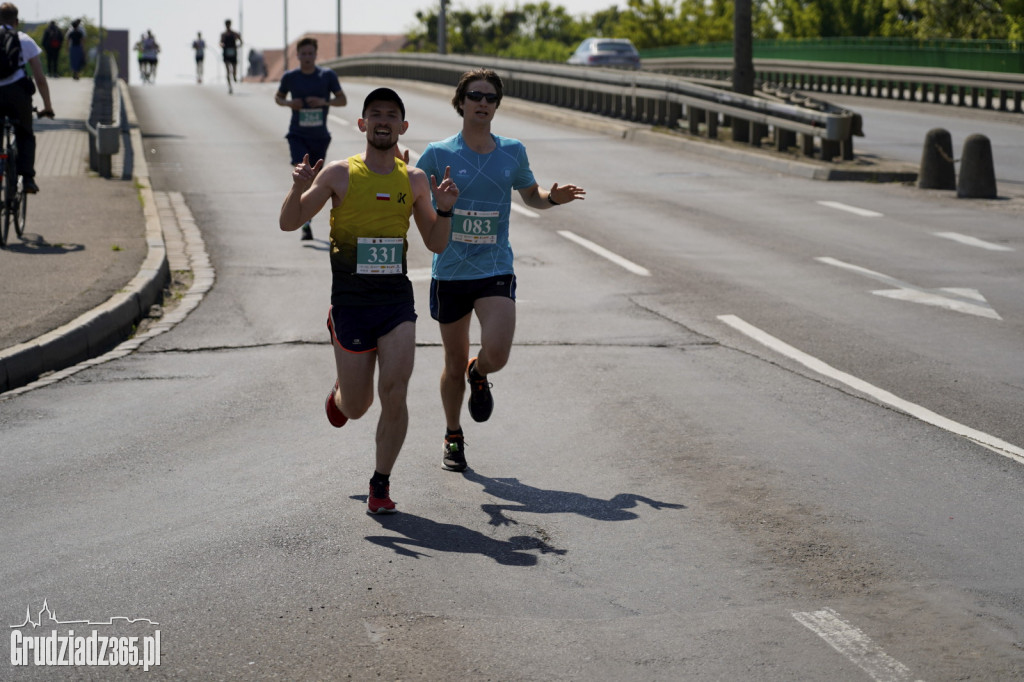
971,19
651,23
968,19
539,31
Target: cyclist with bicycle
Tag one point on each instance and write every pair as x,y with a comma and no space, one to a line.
16,90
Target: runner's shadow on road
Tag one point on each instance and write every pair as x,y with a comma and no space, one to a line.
540,501
428,535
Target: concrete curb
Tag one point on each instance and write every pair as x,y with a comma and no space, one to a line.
102,328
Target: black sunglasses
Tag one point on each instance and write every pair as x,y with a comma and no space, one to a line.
477,96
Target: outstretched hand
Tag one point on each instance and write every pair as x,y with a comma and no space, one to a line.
566,193
304,174
447,193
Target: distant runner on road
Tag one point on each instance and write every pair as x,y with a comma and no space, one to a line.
230,41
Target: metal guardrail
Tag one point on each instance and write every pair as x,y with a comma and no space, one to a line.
654,99
105,117
977,89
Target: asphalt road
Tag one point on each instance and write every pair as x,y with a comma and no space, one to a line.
698,468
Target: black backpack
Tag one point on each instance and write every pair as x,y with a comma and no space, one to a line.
10,52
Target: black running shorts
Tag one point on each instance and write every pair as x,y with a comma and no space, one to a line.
451,300
357,329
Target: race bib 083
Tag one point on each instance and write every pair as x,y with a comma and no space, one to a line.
475,227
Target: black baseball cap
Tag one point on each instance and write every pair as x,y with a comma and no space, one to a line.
384,95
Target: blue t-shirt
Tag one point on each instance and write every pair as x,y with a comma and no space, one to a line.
478,246
309,122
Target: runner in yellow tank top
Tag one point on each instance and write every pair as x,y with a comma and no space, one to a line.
372,320
376,206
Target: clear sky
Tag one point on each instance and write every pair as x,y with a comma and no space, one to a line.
261,22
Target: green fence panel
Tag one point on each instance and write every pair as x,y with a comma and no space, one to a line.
1001,56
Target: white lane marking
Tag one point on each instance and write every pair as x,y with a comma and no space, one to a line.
991,442
854,645
605,253
338,120
961,300
863,212
972,241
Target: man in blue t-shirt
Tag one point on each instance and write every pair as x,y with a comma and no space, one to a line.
313,89
474,273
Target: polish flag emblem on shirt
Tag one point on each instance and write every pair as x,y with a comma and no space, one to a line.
382,196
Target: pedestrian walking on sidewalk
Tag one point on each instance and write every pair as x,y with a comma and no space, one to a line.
309,91
475,273
76,48
53,40
17,89
372,319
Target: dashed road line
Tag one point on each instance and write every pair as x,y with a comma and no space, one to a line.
972,241
605,253
862,212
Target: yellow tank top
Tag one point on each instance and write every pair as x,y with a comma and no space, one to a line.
369,228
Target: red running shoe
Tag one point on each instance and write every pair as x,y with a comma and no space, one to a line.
379,501
334,415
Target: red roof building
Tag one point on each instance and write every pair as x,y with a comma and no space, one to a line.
327,49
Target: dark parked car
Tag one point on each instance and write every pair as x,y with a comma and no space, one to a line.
606,52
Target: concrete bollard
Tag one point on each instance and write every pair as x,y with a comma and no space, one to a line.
977,170
937,168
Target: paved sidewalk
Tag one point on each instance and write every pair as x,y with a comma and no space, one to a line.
85,241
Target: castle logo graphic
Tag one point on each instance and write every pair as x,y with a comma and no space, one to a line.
47,616
60,646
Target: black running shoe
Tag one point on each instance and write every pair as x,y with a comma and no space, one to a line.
454,452
481,404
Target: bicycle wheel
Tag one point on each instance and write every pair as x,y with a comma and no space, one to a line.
10,193
5,222
21,209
